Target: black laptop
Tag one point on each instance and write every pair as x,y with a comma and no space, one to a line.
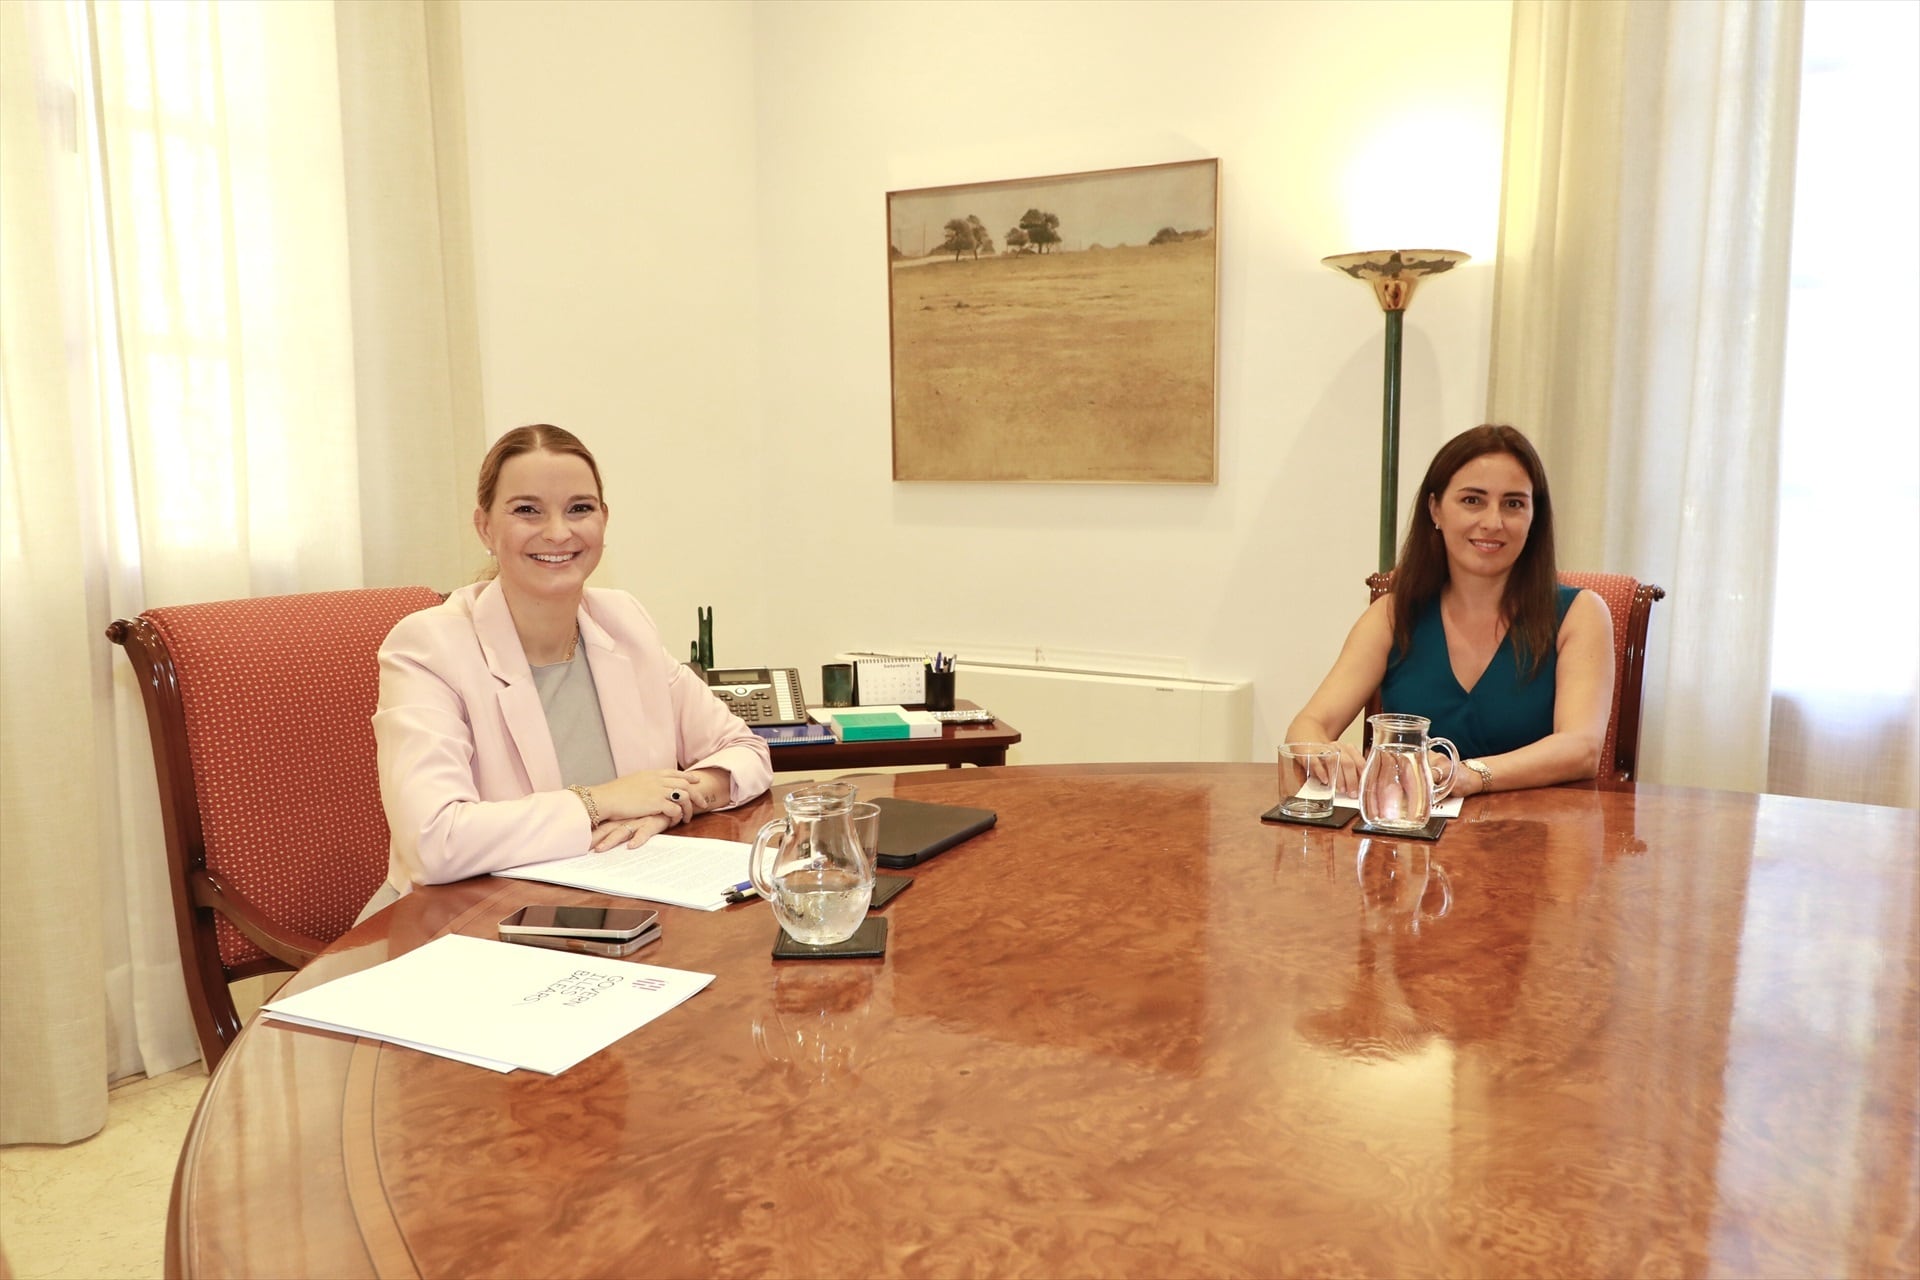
911,831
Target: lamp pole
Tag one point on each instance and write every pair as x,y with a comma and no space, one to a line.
1393,274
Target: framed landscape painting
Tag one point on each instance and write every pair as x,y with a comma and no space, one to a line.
1057,329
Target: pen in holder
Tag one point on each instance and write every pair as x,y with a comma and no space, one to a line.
939,688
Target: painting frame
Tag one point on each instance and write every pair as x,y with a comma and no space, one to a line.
1061,329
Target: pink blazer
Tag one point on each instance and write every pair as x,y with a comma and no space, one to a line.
468,772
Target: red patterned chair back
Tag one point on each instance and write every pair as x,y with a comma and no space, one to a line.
260,712
1631,603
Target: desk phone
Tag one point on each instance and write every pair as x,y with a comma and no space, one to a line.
760,695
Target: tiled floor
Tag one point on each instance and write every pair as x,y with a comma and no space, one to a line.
97,1210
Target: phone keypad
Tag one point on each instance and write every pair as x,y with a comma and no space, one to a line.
762,704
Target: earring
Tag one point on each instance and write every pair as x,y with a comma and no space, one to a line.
490,549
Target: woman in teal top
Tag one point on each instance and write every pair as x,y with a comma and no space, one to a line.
1506,709
1477,634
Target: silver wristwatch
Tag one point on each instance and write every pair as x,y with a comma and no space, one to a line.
1486,774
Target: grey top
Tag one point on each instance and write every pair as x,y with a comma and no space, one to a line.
579,731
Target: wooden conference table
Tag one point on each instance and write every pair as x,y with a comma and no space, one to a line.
1134,1031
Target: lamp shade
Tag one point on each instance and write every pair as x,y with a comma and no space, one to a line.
1393,273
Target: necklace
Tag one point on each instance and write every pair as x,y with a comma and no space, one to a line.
573,642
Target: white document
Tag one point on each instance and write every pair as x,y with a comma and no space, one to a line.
825,715
472,1060
682,871
494,1004
1449,808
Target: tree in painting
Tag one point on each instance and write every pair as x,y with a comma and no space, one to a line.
1042,228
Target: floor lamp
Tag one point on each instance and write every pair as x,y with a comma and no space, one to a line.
1393,273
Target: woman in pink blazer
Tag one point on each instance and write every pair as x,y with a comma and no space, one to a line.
529,718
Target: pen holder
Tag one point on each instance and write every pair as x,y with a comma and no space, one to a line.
836,684
939,690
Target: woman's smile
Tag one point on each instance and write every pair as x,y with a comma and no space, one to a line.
1485,514
548,525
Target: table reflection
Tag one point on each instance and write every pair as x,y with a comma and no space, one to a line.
816,1027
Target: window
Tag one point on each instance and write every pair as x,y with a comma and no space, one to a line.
1846,645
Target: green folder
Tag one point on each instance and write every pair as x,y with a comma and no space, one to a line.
869,726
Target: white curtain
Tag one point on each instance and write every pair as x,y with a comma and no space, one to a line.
180,423
416,332
1846,655
1640,310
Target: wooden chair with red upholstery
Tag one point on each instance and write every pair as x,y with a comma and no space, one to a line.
1630,601
260,712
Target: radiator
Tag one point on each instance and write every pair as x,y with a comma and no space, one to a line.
1072,716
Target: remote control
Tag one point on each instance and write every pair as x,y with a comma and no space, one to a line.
963,717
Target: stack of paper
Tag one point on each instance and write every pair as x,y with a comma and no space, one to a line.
681,871
494,1004
878,724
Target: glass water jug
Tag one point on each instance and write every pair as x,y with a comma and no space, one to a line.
810,867
1397,790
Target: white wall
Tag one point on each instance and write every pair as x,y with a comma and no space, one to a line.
680,213
614,213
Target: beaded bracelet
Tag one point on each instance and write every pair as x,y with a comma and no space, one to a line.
586,798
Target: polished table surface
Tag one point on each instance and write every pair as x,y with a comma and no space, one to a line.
1135,1031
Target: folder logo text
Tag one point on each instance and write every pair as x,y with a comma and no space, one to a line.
577,988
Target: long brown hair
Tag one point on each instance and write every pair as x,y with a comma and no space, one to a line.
539,436
1528,602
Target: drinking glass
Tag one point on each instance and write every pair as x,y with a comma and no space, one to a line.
865,817
1309,772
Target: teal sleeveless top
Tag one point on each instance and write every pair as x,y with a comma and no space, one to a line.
1506,709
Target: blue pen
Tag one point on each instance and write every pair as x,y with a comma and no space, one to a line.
741,892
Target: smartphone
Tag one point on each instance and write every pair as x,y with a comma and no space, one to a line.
585,946
595,924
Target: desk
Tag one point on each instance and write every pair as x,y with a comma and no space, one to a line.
958,744
1133,1031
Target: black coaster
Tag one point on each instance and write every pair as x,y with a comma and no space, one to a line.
1429,832
885,887
1333,822
868,941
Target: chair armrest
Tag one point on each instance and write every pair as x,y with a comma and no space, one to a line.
214,893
